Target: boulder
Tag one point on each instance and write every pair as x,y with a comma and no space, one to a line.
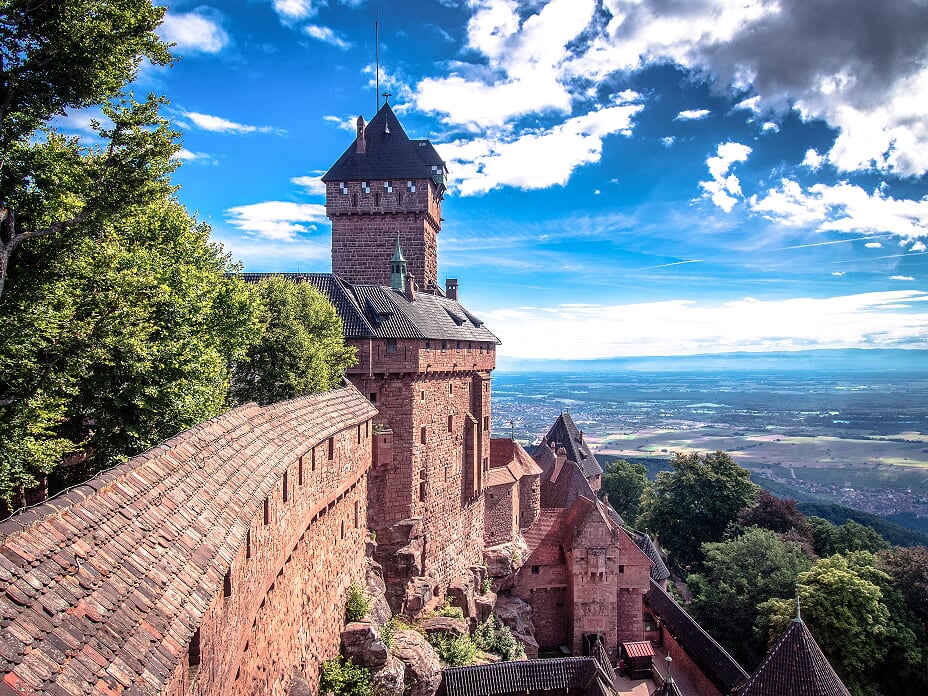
422,666
377,590
461,595
420,595
517,614
389,679
445,626
363,645
504,560
485,603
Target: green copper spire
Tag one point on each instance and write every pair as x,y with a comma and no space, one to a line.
398,268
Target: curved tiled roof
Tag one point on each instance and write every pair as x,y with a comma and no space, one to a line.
795,666
710,657
102,588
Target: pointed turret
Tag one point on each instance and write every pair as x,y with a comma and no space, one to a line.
795,666
398,268
669,687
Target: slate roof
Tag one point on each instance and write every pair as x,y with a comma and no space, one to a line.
708,655
591,675
564,433
659,571
101,588
668,688
795,666
374,311
389,154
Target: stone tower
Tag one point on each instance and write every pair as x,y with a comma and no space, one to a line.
385,186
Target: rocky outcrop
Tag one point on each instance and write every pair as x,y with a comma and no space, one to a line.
422,674
376,589
389,680
502,562
444,625
363,645
420,596
399,551
517,614
485,604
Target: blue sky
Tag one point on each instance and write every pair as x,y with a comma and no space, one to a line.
628,177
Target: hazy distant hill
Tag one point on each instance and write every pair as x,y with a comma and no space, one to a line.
837,361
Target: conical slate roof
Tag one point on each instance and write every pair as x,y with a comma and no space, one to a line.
388,154
795,666
667,689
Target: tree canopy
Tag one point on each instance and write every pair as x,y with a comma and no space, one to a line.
695,503
625,483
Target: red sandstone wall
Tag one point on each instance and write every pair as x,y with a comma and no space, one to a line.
594,561
502,505
288,583
374,358
364,235
682,663
529,500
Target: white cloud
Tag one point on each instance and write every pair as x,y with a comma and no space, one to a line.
844,208
918,246
294,9
837,273
313,184
186,155
725,189
692,115
217,124
194,32
534,160
770,127
327,35
348,123
679,327
277,220
873,245
901,277
668,140
813,160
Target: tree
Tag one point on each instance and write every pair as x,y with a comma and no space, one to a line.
829,539
777,514
64,54
300,349
842,604
737,576
625,483
112,340
695,503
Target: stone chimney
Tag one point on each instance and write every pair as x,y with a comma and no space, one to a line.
559,464
410,288
361,143
451,288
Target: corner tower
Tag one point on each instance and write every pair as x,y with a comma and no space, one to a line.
385,187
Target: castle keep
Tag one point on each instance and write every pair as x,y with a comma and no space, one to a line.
219,561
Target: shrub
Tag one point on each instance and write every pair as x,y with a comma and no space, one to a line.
486,585
495,637
343,677
386,633
357,604
455,652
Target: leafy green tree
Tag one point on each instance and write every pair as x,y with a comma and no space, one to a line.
695,503
65,54
300,350
737,576
625,483
842,604
829,539
112,340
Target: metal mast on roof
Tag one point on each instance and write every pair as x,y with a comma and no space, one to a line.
377,60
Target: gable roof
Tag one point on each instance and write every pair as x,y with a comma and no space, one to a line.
709,656
109,580
374,311
564,433
388,154
795,666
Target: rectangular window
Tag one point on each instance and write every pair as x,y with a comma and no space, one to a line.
227,584
422,491
359,433
267,511
535,570
299,471
621,568
248,544
285,490
451,388
422,435
377,198
391,345
331,448
357,514
373,397
486,423
450,424
193,651
314,459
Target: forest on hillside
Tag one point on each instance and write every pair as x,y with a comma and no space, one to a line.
747,556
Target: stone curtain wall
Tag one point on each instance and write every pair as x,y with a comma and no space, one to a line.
502,505
170,573
365,225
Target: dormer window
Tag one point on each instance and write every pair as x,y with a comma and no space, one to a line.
411,186
388,186
343,188
366,186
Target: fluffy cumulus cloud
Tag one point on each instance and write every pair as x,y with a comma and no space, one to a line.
217,124
294,9
312,184
678,327
199,31
692,115
277,220
844,208
725,189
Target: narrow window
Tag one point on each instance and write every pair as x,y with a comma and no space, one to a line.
354,200
357,514
248,544
486,423
359,433
391,345
314,459
331,448
621,568
299,471
451,388
450,424
193,651
422,491
422,395
399,198
367,428
376,198
267,511
535,570
343,529
422,435
373,397
428,345
227,584
285,492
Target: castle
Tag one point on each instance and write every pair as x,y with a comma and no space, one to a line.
218,561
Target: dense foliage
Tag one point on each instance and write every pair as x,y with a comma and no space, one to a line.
625,483
695,503
343,677
894,533
300,348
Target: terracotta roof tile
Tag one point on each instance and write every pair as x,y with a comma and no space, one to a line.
101,588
